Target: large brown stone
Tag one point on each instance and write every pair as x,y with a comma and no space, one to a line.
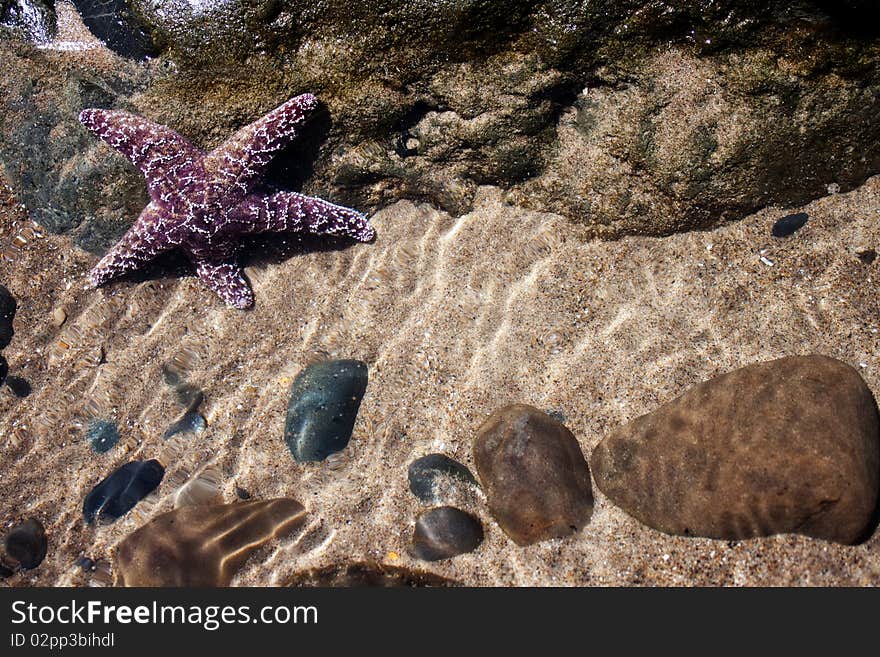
202,545
785,446
535,476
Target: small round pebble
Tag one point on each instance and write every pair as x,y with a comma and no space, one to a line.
789,224
445,532
27,543
102,435
19,387
425,471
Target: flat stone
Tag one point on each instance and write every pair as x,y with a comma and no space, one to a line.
122,490
425,472
203,545
366,574
324,402
535,477
27,543
785,446
445,532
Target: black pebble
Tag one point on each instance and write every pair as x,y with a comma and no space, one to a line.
324,402
789,224
88,565
242,493
867,256
121,490
7,314
4,370
27,543
19,387
445,532
424,471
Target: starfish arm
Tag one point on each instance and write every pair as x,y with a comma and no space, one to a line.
227,279
143,242
162,155
242,159
292,212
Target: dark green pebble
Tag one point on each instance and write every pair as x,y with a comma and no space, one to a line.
324,402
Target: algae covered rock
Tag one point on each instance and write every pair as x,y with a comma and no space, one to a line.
785,446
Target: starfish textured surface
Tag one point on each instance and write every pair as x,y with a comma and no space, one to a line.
203,203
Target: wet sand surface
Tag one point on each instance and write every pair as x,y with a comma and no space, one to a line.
455,317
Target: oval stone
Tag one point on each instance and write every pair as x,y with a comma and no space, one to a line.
324,402
27,543
424,473
122,490
785,446
789,224
445,532
535,476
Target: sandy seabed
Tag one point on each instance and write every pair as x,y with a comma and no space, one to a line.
456,317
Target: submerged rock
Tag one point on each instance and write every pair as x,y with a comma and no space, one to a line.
202,545
35,19
122,490
785,446
425,471
20,387
102,435
324,402
445,532
366,574
535,476
190,422
7,314
27,543
789,224
114,23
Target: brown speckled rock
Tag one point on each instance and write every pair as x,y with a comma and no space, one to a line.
785,446
202,545
536,478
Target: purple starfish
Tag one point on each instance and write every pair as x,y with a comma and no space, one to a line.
202,203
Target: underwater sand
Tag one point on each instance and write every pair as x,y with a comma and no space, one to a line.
455,316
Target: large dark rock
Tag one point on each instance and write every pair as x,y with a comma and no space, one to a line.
65,178
536,479
629,117
202,545
786,446
324,402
